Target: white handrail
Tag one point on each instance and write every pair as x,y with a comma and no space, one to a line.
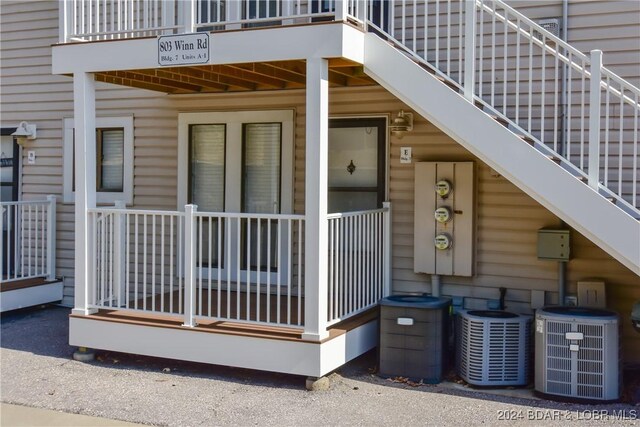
239,267
517,70
28,248
358,261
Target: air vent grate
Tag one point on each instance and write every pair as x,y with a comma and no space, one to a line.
584,367
491,349
552,25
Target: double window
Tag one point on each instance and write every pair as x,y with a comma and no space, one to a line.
113,163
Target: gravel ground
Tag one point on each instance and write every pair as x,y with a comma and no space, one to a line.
37,370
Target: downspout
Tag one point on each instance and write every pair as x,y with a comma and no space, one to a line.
562,266
562,276
564,81
435,285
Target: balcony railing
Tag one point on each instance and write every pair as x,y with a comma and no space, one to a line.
28,240
238,267
90,20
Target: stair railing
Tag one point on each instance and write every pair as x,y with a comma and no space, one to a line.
566,102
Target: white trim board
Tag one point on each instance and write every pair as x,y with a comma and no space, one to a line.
331,40
289,357
28,297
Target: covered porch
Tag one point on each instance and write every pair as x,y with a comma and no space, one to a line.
223,279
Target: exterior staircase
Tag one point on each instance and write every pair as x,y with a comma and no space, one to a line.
582,164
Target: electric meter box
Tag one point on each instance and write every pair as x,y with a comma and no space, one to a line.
444,218
554,244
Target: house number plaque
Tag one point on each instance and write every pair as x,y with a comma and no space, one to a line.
183,49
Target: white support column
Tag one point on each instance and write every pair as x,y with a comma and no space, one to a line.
342,10
189,15
387,250
233,10
63,20
168,15
288,10
595,98
51,238
119,256
189,265
469,48
316,227
84,107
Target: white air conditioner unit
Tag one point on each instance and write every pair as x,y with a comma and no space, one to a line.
577,353
492,347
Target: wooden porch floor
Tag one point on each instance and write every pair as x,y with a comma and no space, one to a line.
227,326
230,305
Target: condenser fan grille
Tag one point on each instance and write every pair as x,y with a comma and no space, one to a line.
580,355
493,350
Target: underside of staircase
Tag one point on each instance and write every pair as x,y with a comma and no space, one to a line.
516,156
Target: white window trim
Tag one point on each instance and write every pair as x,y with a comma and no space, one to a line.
234,121
102,197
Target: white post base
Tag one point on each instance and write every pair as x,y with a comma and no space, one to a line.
84,311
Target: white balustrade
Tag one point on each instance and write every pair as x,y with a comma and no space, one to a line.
138,260
249,268
359,262
539,85
238,267
28,239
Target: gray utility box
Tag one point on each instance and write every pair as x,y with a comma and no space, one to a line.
414,335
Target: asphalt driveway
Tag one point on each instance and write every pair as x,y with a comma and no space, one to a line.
37,370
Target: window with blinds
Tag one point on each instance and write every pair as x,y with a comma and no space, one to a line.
110,165
113,160
207,153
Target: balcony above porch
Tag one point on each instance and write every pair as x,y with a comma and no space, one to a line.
243,48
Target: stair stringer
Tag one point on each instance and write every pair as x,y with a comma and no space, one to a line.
601,221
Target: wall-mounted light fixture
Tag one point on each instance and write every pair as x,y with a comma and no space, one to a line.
401,124
24,132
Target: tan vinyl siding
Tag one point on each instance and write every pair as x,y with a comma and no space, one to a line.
507,219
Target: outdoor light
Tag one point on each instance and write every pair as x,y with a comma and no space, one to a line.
401,124
24,132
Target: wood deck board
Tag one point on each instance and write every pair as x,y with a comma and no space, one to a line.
164,320
232,307
25,283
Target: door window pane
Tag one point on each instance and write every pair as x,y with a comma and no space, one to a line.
261,192
353,166
207,147
261,168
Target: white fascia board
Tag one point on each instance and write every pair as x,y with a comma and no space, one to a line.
290,357
556,189
29,297
340,350
273,44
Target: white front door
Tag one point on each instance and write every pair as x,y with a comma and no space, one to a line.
240,162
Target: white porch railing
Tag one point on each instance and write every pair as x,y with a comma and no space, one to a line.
246,268
567,102
358,261
28,239
90,20
138,260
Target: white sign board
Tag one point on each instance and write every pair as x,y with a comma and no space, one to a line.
183,49
405,154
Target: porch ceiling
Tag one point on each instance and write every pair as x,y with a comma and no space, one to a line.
254,76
